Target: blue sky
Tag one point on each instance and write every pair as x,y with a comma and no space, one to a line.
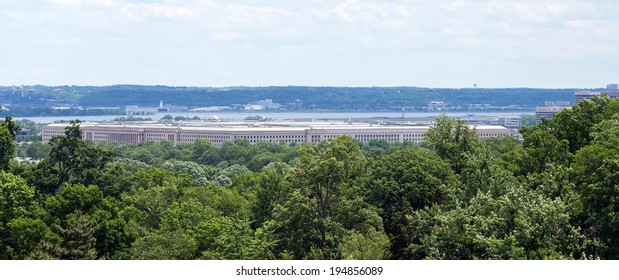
447,43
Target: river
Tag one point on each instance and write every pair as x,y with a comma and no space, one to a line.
229,115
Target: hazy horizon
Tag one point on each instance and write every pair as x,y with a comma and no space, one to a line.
18,86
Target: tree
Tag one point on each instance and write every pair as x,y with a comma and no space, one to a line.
321,208
540,148
232,239
21,225
38,150
234,170
165,245
272,188
79,237
201,174
7,148
71,156
371,246
11,126
403,182
320,175
8,132
452,139
594,172
575,124
520,224
112,232
73,197
205,153
74,239
527,120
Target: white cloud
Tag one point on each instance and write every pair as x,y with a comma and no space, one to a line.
365,33
141,12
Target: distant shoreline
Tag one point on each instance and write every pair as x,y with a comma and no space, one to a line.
322,115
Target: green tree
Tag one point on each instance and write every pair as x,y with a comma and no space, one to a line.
321,208
540,148
7,148
373,245
38,150
21,225
11,126
594,172
205,153
272,188
79,237
72,157
8,132
233,239
165,245
575,124
527,120
403,182
452,139
520,224
75,240
73,197
201,174
320,176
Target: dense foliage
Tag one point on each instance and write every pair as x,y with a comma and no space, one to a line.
553,196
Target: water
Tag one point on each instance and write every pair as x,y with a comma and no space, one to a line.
224,115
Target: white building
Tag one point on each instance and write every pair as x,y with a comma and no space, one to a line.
220,132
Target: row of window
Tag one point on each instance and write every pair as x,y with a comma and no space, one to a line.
190,138
482,135
207,136
268,137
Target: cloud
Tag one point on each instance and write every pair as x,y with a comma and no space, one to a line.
153,11
410,34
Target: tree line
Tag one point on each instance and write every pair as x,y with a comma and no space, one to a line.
313,98
552,196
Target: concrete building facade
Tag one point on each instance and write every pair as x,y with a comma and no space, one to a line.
219,133
546,112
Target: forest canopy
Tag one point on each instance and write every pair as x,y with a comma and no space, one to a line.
552,196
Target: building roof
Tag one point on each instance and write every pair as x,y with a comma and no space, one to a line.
262,126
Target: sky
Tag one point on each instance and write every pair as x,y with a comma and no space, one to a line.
215,43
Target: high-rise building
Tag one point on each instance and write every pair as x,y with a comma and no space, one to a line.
612,90
583,94
512,121
546,112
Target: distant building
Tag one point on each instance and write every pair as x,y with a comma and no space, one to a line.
546,112
210,109
436,106
262,104
162,109
132,109
512,121
297,105
612,94
253,107
556,103
479,119
220,132
612,87
583,94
